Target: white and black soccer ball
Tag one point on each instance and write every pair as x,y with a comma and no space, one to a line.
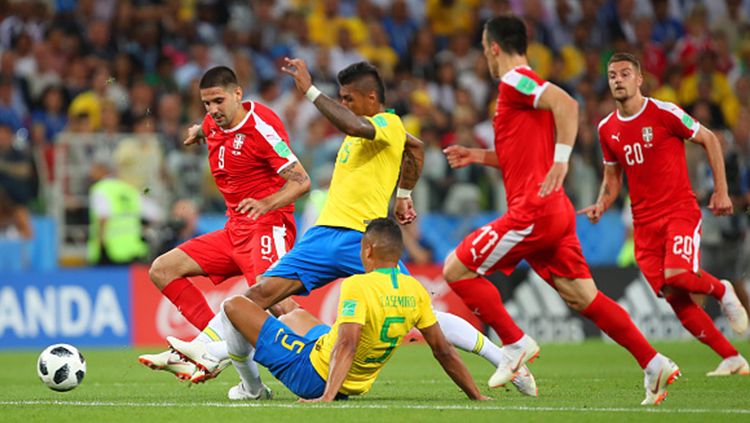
61,367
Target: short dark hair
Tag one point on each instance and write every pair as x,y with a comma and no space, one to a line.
389,232
219,76
359,71
509,32
625,57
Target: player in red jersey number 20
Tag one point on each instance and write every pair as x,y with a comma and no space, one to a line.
645,138
535,127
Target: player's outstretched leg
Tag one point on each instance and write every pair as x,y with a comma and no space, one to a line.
706,283
241,353
583,296
168,273
184,370
699,323
461,334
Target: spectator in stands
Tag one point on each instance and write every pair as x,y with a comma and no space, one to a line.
416,250
51,116
16,180
400,27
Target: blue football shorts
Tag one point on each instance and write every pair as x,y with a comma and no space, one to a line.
322,255
287,356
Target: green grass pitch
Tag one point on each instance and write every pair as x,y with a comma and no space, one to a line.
593,381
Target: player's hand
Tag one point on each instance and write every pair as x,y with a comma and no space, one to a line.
594,212
720,204
194,136
312,400
254,208
554,180
297,69
483,398
458,156
404,211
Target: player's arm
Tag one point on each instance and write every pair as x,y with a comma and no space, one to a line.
411,167
342,357
297,184
340,116
720,204
564,110
608,193
459,156
449,359
195,135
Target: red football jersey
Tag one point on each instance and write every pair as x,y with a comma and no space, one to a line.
524,137
246,160
650,147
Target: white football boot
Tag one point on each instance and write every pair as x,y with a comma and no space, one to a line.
525,382
735,365
657,381
238,393
169,361
196,353
733,309
514,357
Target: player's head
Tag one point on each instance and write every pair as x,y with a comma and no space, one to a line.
361,89
221,95
503,35
624,76
382,244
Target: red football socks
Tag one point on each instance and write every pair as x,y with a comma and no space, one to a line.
483,298
697,322
615,322
190,301
703,284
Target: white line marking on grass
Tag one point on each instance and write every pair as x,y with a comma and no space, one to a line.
344,405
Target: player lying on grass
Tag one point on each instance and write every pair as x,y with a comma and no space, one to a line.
376,310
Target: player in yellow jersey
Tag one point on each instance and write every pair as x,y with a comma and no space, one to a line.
375,151
376,310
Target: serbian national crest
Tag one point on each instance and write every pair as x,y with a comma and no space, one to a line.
239,139
648,135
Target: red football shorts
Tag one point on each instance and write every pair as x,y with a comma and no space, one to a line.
243,247
671,242
548,243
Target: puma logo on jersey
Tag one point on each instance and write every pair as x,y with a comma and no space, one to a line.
616,137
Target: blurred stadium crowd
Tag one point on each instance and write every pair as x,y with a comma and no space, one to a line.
117,81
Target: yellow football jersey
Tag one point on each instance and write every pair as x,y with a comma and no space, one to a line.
365,175
387,304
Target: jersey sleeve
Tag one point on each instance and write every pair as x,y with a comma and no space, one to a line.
352,305
426,315
276,149
206,124
677,121
609,156
524,89
388,128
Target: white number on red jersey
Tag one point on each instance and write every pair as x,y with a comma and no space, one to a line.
221,157
633,154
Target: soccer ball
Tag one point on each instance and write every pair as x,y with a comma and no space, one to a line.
61,367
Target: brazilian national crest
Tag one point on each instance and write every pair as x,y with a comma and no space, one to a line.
648,134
